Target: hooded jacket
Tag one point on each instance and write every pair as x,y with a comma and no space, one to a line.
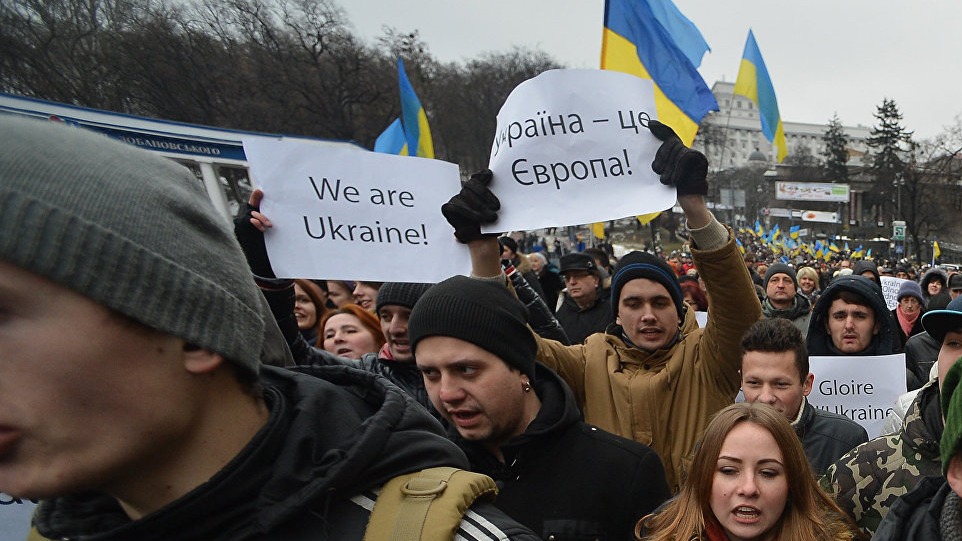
558,459
332,439
867,481
819,340
664,398
798,313
940,299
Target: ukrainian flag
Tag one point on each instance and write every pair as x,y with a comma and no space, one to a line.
754,83
793,231
417,133
682,31
634,42
392,140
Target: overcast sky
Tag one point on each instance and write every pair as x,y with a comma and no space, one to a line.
824,56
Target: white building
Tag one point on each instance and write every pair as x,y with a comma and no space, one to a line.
730,135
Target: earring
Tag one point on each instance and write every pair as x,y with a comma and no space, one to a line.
526,386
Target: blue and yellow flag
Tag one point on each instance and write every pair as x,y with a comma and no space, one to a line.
759,230
392,140
793,231
741,247
754,83
635,42
682,31
417,133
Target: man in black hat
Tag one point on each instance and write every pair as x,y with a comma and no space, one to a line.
955,285
519,422
654,377
585,310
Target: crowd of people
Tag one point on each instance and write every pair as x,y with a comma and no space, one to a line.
159,381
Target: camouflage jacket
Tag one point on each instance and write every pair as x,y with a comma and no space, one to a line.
867,480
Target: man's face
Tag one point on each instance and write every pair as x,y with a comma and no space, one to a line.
477,392
88,399
902,274
851,326
772,378
507,253
394,325
780,290
950,352
582,286
647,313
934,287
845,264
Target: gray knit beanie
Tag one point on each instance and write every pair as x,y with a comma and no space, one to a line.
780,268
127,229
482,313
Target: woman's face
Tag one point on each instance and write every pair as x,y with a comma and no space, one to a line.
304,310
934,287
345,336
909,305
806,283
366,296
339,294
750,486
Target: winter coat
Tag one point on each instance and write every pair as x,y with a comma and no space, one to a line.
916,327
868,480
826,436
567,480
552,284
819,340
919,514
580,323
798,313
665,398
921,352
334,436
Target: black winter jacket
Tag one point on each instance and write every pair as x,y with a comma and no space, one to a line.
826,436
581,323
335,435
917,516
567,480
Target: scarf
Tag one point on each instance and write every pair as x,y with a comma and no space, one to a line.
906,321
950,520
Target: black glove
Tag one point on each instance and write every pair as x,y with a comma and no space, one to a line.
252,241
473,206
678,165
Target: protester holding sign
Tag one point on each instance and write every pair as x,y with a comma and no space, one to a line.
654,377
868,480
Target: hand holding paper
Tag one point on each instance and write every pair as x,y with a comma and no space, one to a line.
678,165
472,207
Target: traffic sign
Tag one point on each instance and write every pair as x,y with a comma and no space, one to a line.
898,230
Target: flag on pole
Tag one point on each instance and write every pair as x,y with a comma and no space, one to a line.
634,42
793,231
936,251
417,133
598,230
754,83
392,140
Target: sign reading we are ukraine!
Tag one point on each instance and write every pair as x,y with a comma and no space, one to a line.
573,147
349,214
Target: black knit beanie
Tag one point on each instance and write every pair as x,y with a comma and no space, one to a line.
482,313
780,268
404,294
644,265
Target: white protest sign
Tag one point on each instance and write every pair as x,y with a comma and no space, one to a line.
864,389
15,514
890,290
702,319
573,147
343,214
